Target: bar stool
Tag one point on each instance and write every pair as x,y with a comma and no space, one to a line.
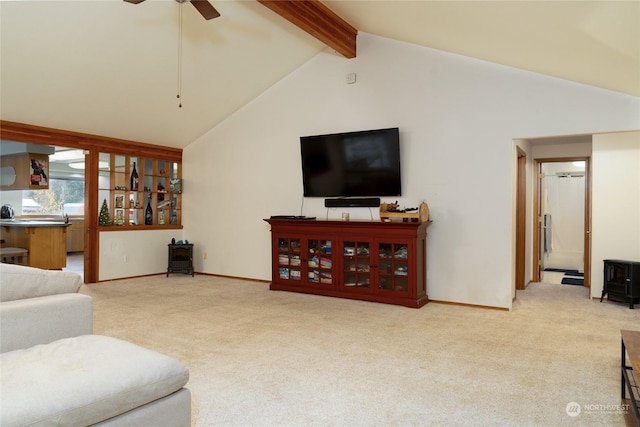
14,255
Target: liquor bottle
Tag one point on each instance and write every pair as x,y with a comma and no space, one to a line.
148,213
134,178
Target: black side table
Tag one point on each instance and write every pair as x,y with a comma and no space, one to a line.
180,258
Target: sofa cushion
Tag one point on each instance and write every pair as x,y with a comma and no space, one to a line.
83,380
20,282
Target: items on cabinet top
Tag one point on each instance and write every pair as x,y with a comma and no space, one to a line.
391,211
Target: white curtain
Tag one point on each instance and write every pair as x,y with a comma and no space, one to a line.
564,201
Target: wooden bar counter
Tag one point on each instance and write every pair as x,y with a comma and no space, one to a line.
46,241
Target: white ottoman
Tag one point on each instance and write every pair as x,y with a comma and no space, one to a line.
83,380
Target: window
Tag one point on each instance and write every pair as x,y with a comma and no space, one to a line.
64,196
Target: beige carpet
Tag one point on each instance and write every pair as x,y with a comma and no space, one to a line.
265,358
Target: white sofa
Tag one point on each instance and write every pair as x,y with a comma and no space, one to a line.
55,372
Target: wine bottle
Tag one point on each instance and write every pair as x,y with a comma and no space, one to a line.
134,178
148,213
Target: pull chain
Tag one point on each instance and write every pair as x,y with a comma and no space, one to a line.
179,96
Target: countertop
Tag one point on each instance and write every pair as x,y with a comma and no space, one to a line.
32,223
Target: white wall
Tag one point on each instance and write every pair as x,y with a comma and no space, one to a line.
457,116
561,149
616,202
134,253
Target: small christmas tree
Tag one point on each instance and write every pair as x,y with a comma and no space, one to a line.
104,218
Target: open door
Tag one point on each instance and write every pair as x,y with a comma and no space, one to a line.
562,218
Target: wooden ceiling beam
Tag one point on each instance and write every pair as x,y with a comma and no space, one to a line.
318,20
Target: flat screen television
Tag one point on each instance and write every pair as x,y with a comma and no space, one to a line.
352,164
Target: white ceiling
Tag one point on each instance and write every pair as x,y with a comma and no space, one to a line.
111,68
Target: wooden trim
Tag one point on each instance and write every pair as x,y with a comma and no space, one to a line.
91,209
318,20
116,228
587,222
22,132
521,214
488,307
537,224
134,277
225,276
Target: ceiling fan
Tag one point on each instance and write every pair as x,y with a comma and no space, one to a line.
204,7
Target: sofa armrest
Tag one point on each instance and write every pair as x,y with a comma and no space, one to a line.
22,282
28,322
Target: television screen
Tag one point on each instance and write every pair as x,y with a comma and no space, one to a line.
364,163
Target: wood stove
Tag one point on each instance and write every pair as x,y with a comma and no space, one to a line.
180,258
621,281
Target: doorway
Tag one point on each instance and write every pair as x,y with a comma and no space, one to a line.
61,200
521,203
562,211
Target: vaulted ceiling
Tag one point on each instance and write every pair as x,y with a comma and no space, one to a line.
112,68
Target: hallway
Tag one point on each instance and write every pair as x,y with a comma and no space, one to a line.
75,263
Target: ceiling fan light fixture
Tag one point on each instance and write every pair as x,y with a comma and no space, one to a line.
202,6
207,11
179,95
205,8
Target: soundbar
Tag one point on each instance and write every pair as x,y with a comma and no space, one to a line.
365,202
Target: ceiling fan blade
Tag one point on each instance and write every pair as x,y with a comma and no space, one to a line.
204,7
134,1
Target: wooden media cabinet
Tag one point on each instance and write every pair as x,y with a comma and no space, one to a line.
365,260
630,372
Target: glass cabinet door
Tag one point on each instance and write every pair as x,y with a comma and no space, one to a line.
289,263
320,263
356,264
393,271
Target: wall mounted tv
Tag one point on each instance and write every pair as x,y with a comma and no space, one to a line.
363,163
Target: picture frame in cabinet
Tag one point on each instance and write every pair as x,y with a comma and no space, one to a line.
175,185
118,217
133,217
